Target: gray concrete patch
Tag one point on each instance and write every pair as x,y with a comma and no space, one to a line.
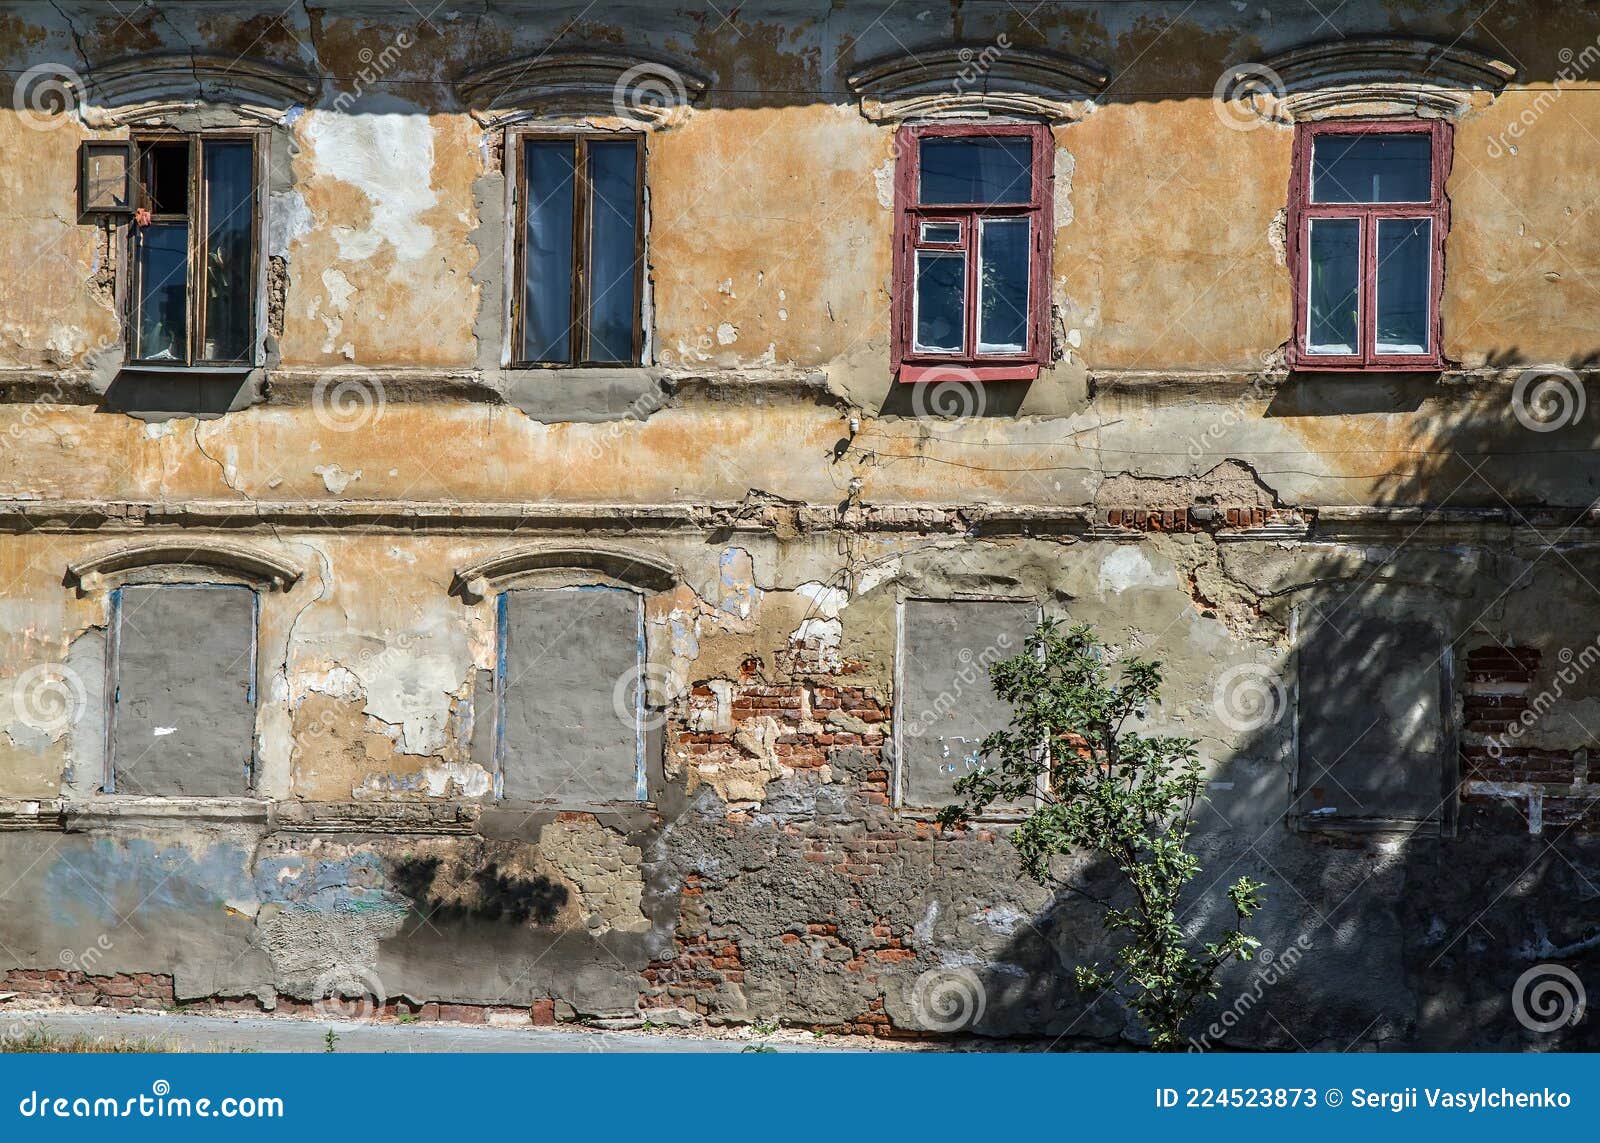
948,706
572,662
185,697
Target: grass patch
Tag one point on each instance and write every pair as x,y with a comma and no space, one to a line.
40,1041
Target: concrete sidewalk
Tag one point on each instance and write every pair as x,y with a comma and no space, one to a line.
284,1034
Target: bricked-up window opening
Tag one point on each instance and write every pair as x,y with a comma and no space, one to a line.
945,703
182,669
1367,225
1375,740
195,238
580,250
972,251
572,724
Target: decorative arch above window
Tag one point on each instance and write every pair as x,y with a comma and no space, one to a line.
477,581
137,88
247,562
1372,77
642,91
977,80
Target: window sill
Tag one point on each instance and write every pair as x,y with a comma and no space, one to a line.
571,805
1313,365
1315,823
957,371
104,809
156,368
997,815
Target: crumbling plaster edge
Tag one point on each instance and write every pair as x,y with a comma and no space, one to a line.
298,385
595,520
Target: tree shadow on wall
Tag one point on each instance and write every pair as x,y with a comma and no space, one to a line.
498,897
1465,920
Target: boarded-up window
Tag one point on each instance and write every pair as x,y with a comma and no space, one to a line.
184,708
571,726
1374,739
946,705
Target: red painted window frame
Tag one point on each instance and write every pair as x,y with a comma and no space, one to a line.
1302,211
912,366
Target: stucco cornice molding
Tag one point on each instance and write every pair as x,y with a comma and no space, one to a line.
642,90
136,88
478,580
977,80
253,563
1374,75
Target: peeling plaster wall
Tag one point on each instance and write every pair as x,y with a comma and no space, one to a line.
1163,480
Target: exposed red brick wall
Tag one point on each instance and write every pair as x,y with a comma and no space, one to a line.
1200,519
116,990
858,848
1550,787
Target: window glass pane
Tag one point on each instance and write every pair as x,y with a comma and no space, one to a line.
1333,291
164,172
976,170
228,183
613,181
547,252
1405,265
941,301
1372,168
161,251
947,232
1003,286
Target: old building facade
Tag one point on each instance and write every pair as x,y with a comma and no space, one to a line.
506,509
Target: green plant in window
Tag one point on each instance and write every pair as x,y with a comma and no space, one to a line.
1119,795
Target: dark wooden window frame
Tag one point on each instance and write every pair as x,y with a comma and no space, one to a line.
516,140
88,150
909,364
195,219
1302,211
